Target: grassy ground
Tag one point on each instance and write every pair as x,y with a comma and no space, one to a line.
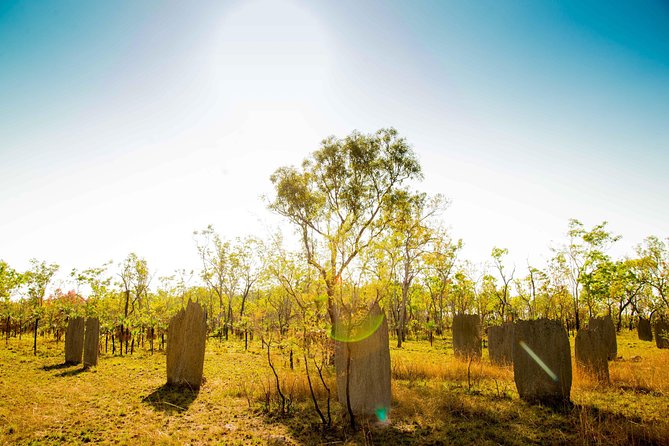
123,401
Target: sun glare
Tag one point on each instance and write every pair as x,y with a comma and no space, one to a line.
268,51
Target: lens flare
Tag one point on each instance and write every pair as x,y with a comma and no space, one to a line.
382,414
538,360
351,331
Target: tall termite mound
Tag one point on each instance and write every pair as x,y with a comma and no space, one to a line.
91,342
74,340
500,343
542,361
362,363
467,335
662,333
591,349
607,331
644,329
186,338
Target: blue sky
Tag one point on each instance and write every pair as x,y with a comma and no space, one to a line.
124,126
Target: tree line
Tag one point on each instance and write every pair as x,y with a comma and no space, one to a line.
366,235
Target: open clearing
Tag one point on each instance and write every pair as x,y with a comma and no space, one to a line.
123,401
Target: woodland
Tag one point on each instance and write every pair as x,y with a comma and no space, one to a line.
366,235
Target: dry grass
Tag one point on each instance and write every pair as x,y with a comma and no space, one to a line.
122,401
416,365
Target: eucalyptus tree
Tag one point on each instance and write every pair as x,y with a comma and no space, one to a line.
654,262
410,234
463,295
503,293
171,295
597,286
383,265
98,282
338,202
218,270
10,281
291,305
141,281
557,301
289,271
37,280
580,259
282,310
182,288
528,290
337,199
230,269
440,262
250,255
626,286
486,297
135,279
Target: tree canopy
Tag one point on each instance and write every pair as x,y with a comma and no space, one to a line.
337,199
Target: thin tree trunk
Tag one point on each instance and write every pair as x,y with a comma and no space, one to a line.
35,341
278,385
348,385
127,338
311,390
120,339
327,389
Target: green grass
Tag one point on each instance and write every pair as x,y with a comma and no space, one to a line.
123,401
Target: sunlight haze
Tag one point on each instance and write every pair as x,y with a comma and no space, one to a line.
126,126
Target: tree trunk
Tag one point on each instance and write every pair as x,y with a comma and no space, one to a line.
127,302
35,341
403,315
330,290
348,386
126,335
229,323
244,297
311,390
